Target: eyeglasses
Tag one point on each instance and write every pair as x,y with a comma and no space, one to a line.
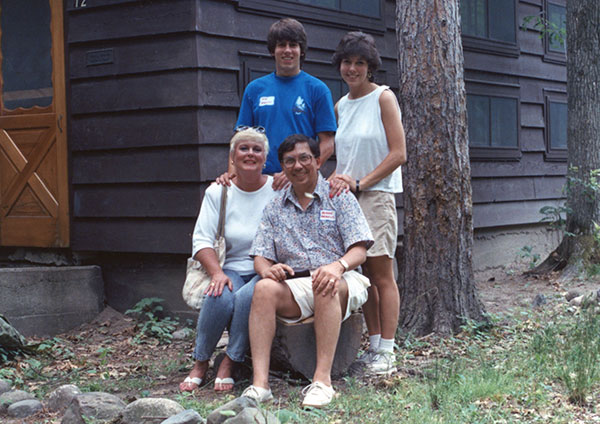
258,129
304,159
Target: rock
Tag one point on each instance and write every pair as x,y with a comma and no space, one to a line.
94,405
150,408
235,406
539,300
252,416
294,346
24,408
13,396
189,416
576,301
591,299
571,294
5,386
61,398
182,334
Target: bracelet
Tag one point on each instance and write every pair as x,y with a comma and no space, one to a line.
357,185
344,264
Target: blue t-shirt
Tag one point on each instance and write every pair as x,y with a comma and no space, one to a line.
301,104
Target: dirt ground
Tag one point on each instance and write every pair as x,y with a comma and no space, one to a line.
502,290
103,349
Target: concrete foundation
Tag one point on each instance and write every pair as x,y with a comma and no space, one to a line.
130,278
45,301
499,247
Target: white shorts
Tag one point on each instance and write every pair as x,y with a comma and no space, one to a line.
302,292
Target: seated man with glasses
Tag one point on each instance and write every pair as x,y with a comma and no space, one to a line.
304,231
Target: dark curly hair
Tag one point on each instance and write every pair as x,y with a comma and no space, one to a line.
287,29
357,43
289,143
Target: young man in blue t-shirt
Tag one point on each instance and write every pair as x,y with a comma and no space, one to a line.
288,101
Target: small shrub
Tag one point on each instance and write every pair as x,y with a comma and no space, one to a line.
150,325
526,253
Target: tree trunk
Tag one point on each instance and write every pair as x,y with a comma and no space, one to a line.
437,287
579,248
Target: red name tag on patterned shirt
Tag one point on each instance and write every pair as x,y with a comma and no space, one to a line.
327,215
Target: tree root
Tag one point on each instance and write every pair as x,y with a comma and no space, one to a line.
555,261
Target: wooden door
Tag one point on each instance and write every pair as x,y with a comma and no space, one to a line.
33,139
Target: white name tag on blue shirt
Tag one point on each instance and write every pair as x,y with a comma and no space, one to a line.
327,215
267,101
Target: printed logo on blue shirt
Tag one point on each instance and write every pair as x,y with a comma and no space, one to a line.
299,106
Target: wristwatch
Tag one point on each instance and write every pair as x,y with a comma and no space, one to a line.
344,264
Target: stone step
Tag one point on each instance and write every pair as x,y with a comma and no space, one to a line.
45,301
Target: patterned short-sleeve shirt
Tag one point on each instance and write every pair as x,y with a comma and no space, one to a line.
317,236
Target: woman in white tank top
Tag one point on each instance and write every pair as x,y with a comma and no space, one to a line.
370,148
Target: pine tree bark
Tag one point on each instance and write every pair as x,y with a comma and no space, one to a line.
578,249
436,286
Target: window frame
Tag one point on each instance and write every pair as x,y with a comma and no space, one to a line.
553,154
502,90
491,46
553,56
306,12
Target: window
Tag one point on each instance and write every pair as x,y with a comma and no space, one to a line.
360,7
556,126
489,26
554,38
365,14
493,121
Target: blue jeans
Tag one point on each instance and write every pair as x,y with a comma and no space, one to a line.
231,308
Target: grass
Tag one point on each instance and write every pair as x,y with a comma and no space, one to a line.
536,366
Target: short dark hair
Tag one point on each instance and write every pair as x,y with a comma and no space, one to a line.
290,143
287,29
357,43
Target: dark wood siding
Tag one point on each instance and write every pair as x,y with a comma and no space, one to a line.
149,128
512,192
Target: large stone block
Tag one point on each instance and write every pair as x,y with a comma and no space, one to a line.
45,301
294,346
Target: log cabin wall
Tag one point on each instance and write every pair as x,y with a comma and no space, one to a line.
139,140
155,87
509,188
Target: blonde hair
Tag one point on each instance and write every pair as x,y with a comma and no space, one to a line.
249,134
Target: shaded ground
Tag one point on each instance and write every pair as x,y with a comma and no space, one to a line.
505,290
103,356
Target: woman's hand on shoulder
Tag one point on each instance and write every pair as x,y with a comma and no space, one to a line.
217,284
225,179
280,181
341,183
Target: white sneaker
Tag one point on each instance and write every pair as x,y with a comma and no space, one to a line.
258,394
317,395
367,357
383,363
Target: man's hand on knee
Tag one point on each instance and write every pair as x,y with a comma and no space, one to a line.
326,279
278,272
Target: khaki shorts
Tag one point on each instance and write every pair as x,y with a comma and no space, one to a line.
301,289
379,207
